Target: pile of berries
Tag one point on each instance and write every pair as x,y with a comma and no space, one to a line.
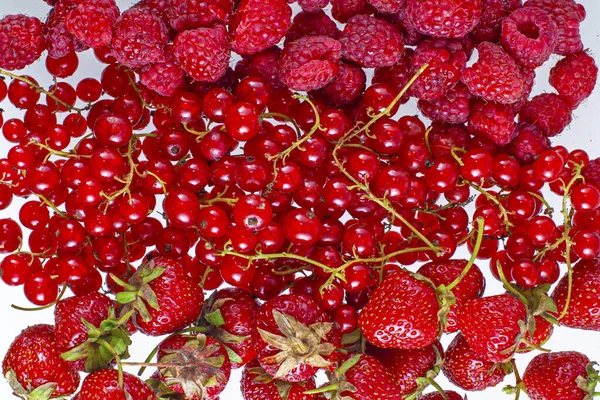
185,195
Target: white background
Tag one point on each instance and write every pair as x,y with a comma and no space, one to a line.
583,133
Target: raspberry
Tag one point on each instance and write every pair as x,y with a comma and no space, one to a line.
387,6
410,35
190,14
529,143
346,88
529,36
397,75
591,172
310,63
343,10
203,53
59,42
574,77
446,59
139,38
568,15
312,5
159,8
549,112
495,76
452,108
165,77
92,22
528,76
312,24
444,18
21,41
493,13
259,24
443,138
371,42
266,65
494,121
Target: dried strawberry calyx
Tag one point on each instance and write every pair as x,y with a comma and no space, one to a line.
42,392
138,292
300,344
104,344
588,384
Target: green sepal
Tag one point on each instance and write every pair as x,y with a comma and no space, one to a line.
349,363
126,297
215,318
43,392
233,356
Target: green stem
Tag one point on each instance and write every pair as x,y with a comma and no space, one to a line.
480,225
493,199
328,388
107,346
60,296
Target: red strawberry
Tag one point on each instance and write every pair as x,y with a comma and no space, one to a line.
104,385
361,377
164,297
228,316
81,341
492,325
34,368
585,302
293,337
405,366
541,334
197,367
452,395
467,369
258,385
401,313
469,287
565,375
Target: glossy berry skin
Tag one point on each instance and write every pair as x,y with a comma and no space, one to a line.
34,361
302,227
104,385
370,378
555,375
401,313
491,325
256,384
452,395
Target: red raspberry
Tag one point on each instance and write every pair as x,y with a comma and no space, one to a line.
92,22
139,38
343,10
493,121
159,8
346,88
591,172
495,76
528,76
266,65
444,18
529,143
410,35
529,36
190,14
59,42
312,5
452,108
203,53
568,15
397,75
312,24
165,77
574,77
446,59
549,112
371,42
21,42
443,138
310,63
387,6
493,13
258,25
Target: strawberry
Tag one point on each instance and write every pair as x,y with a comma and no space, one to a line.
228,316
197,367
564,375
293,337
258,385
469,287
542,332
164,297
104,385
401,313
467,369
405,366
83,324
34,368
492,325
360,377
585,302
452,395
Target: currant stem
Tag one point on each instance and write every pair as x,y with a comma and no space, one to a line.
480,225
493,199
60,296
283,117
128,180
58,153
199,135
51,205
263,256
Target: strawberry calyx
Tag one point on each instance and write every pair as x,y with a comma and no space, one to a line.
300,344
104,344
138,292
427,380
337,381
588,384
42,392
